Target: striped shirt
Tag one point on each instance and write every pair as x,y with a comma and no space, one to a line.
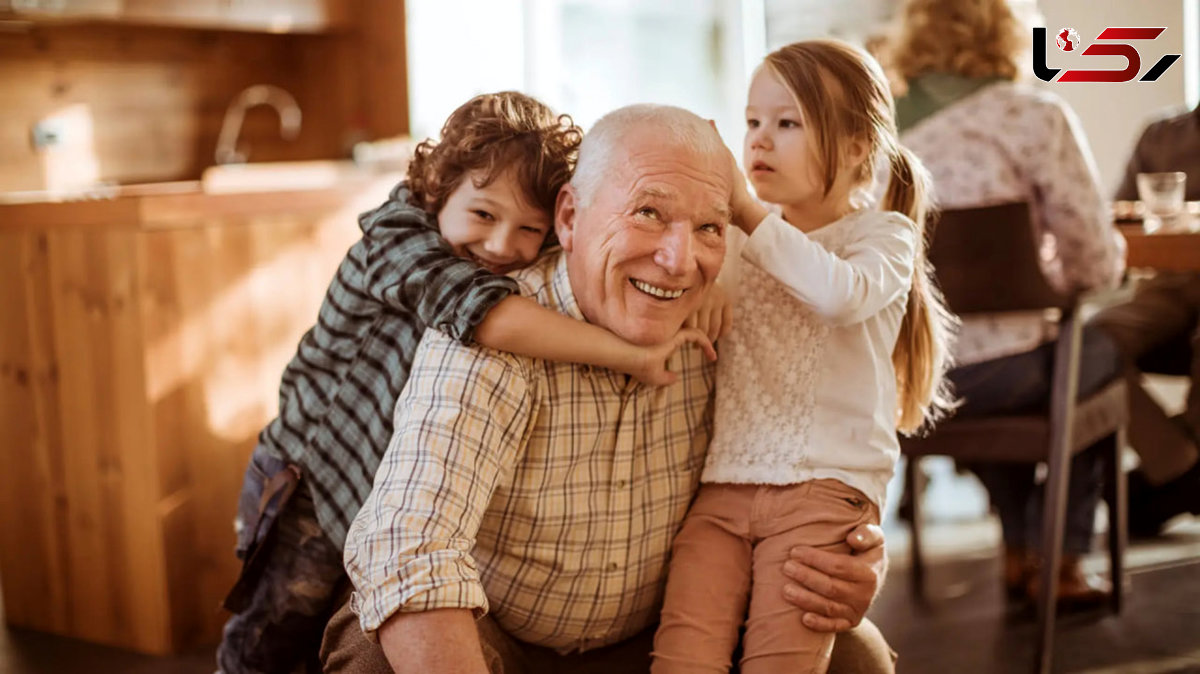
338,392
546,494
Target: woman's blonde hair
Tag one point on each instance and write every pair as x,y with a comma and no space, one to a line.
972,38
843,96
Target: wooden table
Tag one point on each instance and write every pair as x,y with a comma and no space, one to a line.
1175,251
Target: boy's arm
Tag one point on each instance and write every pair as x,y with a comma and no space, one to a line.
522,326
410,266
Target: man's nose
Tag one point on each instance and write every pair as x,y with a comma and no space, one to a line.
676,253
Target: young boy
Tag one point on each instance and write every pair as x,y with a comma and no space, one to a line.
491,183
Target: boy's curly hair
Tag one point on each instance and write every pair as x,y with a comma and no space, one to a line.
491,133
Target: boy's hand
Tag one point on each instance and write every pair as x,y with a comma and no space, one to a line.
714,316
652,368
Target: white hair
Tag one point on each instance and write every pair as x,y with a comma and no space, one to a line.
672,126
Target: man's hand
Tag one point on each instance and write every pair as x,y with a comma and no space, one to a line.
651,366
714,317
834,589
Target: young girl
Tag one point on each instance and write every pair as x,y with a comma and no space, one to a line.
475,205
841,340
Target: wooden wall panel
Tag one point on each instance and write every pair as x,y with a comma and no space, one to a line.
156,97
33,500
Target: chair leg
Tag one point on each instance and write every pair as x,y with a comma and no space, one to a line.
1116,496
912,484
1053,528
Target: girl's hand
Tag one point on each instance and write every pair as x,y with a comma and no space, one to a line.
747,211
652,363
714,317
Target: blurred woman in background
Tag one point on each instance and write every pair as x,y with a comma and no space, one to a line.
989,139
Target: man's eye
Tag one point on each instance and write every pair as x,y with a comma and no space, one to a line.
647,212
711,227
482,214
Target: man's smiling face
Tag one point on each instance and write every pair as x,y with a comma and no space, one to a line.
647,247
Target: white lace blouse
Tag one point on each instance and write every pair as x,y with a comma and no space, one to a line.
805,384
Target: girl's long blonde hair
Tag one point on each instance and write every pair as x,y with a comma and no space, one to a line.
843,96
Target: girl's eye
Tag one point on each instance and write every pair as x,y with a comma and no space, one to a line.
752,123
788,124
482,214
533,230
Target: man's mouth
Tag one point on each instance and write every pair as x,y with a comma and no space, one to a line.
657,292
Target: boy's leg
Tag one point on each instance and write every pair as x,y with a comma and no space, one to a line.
708,583
819,513
286,606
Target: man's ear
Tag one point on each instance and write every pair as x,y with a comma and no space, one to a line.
564,216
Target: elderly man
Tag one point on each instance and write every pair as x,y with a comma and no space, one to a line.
523,515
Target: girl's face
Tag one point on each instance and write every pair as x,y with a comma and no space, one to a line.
778,153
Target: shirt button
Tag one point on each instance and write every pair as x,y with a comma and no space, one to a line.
585,370
613,566
621,484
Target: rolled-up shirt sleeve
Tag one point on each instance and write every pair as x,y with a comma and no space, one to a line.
459,428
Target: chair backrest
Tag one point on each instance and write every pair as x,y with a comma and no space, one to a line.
986,260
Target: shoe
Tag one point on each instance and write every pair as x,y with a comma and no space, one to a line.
1150,507
1077,590
1017,565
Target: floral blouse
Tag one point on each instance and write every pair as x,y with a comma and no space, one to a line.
1009,142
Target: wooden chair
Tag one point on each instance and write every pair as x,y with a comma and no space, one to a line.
985,260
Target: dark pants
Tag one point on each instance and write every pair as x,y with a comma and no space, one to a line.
1020,384
291,578
862,650
1159,331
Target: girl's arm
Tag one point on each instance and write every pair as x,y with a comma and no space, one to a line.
522,326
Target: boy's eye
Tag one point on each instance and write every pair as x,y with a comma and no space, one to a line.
482,214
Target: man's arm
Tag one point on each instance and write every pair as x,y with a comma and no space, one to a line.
443,640
834,589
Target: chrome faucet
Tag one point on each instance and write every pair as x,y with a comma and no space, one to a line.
259,94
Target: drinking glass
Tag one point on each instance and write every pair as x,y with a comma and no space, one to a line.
1162,196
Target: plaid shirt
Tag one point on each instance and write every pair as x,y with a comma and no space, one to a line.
338,392
544,493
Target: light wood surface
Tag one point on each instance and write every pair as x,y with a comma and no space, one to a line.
138,361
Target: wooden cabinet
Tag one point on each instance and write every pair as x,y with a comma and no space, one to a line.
140,354
272,16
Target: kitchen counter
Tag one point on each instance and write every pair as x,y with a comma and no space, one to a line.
143,339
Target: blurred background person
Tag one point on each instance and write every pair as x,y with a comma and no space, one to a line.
988,139
1159,331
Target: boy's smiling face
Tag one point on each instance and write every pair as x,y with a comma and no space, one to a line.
495,226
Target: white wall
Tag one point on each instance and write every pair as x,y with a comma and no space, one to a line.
1113,114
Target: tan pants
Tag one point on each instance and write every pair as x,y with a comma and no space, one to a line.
345,649
730,552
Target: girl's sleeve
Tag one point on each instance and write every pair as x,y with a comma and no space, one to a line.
866,276
409,266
